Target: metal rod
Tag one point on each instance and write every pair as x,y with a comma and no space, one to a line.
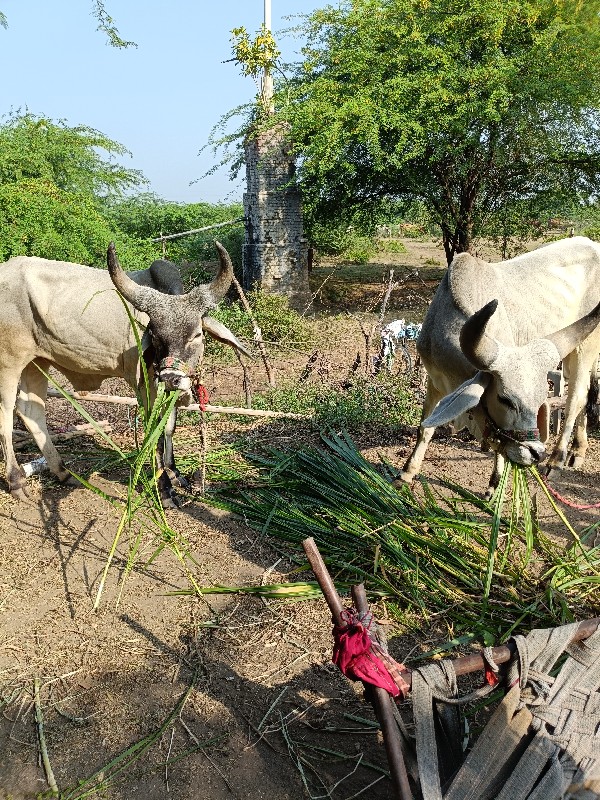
383,710
324,580
472,663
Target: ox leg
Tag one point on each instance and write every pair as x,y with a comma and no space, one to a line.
31,408
413,464
499,462
17,482
166,445
577,366
580,441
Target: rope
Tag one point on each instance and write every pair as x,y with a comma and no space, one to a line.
566,502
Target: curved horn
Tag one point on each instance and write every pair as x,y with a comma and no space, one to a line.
140,297
478,347
212,293
566,339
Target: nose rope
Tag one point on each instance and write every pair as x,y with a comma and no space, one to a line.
492,433
170,362
199,391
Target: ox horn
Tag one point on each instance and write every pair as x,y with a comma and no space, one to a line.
140,297
478,347
566,339
211,294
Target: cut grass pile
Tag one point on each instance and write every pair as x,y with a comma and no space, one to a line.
457,559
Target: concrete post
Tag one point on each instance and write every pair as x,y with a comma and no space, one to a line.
275,253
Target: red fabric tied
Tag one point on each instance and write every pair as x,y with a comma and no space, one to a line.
353,654
201,396
491,677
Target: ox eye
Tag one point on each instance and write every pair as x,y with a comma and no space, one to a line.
507,402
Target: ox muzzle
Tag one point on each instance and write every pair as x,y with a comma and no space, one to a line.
521,447
174,373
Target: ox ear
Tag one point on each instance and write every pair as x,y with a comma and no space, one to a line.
222,334
466,397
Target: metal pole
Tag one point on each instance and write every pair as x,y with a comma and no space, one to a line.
267,83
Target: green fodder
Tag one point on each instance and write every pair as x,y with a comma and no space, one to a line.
451,558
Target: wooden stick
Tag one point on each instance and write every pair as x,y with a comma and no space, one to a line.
389,728
383,710
64,437
248,412
467,664
94,398
131,401
257,334
39,719
324,580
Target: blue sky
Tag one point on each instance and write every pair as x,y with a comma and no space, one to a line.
161,99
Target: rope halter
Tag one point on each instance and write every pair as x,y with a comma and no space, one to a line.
175,364
492,434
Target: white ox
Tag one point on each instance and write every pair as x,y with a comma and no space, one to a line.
489,338
67,316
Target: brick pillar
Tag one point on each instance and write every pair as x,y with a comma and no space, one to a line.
275,251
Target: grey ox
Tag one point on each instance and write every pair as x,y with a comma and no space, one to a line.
67,316
490,336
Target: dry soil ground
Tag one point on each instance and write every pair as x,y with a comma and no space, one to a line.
265,710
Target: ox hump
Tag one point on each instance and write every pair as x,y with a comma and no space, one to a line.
472,282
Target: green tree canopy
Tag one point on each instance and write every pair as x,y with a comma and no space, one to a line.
38,218
78,159
55,182
466,106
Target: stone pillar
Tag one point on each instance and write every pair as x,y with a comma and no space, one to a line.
275,253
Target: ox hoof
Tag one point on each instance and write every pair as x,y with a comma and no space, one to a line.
19,493
576,462
170,501
177,479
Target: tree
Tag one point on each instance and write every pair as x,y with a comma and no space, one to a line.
37,218
69,157
106,24
55,183
467,107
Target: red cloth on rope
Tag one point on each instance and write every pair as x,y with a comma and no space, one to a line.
353,654
491,677
201,396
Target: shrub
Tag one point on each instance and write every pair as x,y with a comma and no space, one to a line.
390,246
277,321
378,403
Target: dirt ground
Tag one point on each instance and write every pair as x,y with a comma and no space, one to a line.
233,697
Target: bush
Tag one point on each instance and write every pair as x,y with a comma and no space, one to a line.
390,246
39,219
377,403
277,321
